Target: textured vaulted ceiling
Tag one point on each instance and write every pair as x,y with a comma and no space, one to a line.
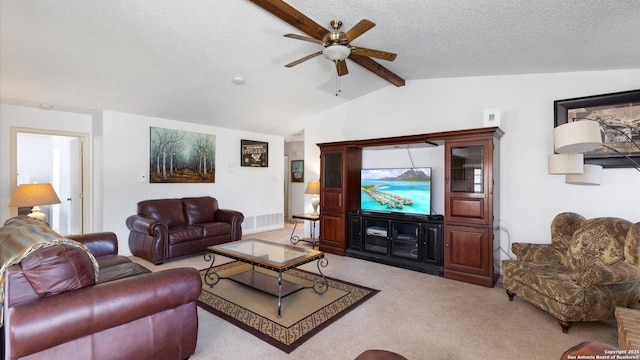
176,59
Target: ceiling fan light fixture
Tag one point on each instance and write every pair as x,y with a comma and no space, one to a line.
336,52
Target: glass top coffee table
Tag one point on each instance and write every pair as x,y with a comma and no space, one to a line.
272,256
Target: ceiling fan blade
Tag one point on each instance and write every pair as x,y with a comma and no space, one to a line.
288,14
373,53
360,28
300,37
303,59
377,69
341,67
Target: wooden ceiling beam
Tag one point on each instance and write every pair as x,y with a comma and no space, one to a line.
288,14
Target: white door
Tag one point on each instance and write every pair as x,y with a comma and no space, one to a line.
74,200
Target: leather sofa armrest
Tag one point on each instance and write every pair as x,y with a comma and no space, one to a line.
61,318
100,243
537,252
233,217
229,216
144,225
609,274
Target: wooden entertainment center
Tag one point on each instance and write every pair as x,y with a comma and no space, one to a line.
471,220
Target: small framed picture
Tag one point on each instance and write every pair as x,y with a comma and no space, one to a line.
297,170
254,153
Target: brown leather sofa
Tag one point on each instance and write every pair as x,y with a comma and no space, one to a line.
55,307
166,229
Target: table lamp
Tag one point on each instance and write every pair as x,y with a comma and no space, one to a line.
313,187
32,195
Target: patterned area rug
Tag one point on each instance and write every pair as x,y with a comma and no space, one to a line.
304,313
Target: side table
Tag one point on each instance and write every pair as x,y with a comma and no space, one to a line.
309,217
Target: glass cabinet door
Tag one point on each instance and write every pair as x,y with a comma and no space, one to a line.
376,235
332,171
405,238
467,169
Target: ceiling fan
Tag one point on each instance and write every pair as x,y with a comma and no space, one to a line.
337,44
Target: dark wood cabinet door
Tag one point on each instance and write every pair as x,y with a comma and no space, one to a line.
339,194
332,233
470,208
468,254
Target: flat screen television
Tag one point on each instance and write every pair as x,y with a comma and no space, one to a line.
398,190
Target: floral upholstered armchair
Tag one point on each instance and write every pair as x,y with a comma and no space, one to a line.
590,267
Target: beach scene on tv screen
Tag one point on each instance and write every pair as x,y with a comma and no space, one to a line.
396,190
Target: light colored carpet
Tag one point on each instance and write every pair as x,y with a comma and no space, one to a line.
418,315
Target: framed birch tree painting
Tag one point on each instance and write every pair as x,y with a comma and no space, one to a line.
181,157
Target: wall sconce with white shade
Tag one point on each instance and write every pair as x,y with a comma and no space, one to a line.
32,195
313,188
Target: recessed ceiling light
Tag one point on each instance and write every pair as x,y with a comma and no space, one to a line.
238,80
45,106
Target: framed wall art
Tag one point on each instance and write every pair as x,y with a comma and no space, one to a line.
254,153
619,118
297,170
181,157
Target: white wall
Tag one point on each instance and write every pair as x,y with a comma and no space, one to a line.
26,117
120,153
125,156
530,198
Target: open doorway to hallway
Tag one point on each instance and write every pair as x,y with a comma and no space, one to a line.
42,156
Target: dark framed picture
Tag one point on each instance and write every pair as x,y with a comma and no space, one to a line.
619,118
297,170
254,153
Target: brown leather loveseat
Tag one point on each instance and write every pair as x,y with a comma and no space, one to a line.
165,229
78,299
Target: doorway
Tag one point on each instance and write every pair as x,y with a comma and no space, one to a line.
59,158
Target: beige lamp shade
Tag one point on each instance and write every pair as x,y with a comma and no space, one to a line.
313,187
577,136
592,175
563,164
28,195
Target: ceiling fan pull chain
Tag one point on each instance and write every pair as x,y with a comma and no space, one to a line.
338,90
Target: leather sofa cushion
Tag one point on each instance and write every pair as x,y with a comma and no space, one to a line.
111,260
56,269
215,229
184,233
169,211
121,271
200,209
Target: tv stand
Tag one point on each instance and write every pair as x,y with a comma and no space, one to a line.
471,203
413,242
